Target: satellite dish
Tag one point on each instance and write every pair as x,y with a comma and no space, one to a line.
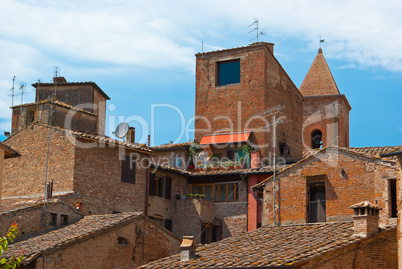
121,130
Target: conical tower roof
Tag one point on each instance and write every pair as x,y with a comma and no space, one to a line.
319,79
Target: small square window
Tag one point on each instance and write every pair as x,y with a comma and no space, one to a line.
228,72
64,219
122,241
53,219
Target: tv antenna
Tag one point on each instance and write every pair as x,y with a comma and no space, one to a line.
256,29
56,71
22,86
121,130
12,93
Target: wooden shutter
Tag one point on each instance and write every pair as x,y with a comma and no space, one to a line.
168,187
152,184
128,170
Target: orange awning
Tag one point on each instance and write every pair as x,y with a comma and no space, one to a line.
225,138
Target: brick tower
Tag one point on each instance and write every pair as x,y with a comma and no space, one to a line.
234,85
325,110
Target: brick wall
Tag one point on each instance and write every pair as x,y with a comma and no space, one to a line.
97,177
349,179
379,251
232,226
30,219
318,114
146,242
24,177
167,157
263,85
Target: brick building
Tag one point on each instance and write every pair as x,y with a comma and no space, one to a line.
123,240
322,186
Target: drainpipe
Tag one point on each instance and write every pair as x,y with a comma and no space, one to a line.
147,181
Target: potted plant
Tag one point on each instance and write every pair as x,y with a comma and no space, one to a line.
199,167
230,165
190,196
207,167
201,196
177,195
237,165
196,196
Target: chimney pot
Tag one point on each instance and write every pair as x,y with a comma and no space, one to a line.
366,216
131,135
188,248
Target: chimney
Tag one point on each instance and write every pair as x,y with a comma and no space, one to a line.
188,248
365,218
131,135
255,159
59,80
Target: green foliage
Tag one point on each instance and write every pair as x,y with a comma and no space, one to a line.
13,262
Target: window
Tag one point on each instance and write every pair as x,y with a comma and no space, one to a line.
228,72
167,224
392,200
160,186
316,203
206,189
53,219
128,169
122,241
316,139
226,192
177,161
64,219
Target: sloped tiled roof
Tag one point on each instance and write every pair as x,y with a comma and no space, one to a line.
269,246
82,230
9,152
169,146
319,79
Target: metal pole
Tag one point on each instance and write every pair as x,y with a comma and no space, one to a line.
274,164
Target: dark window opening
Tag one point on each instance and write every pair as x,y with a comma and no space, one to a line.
128,169
53,219
64,219
160,186
122,241
316,209
230,154
167,224
316,139
228,72
392,192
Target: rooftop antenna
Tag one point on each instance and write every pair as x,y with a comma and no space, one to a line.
56,71
321,41
121,130
256,29
12,93
22,86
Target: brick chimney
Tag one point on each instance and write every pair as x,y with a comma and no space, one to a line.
131,135
365,218
59,80
188,248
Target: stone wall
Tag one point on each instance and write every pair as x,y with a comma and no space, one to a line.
349,179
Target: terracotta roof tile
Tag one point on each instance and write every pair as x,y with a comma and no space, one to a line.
169,146
268,246
319,79
84,229
57,102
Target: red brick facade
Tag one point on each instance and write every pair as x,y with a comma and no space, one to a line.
263,85
348,179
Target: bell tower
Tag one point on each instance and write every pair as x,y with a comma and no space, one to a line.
325,109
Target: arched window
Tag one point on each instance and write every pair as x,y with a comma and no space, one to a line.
316,139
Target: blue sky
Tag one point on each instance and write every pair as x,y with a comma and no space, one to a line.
141,53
